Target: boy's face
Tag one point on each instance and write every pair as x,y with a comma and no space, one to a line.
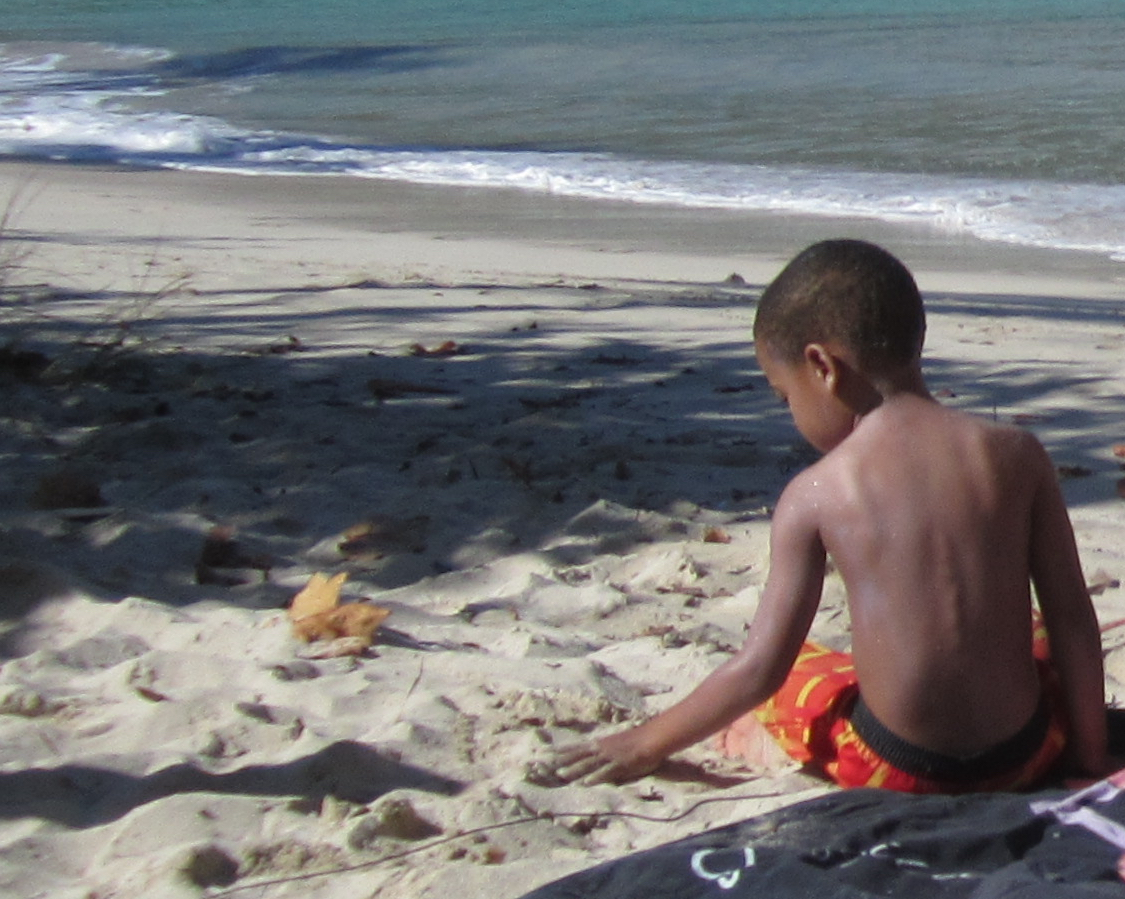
808,388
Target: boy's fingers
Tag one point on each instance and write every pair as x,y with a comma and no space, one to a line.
567,764
576,752
585,763
582,769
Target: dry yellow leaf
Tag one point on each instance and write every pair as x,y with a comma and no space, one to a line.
316,614
320,594
360,620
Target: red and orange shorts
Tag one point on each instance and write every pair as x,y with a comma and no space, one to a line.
819,719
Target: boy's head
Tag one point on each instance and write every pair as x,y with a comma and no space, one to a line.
849,293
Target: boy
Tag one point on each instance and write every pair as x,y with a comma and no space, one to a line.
937,521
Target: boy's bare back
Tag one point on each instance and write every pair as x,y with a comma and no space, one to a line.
939,523
928,515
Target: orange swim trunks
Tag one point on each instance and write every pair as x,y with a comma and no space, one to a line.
818,717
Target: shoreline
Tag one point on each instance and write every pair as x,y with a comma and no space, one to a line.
576,236
531,429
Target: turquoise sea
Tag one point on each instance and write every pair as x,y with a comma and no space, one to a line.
1003,120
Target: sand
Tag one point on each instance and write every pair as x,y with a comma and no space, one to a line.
530,428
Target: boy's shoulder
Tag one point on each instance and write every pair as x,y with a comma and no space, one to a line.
1008,439
917,436
914,423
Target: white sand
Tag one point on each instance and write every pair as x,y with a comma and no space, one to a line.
550,505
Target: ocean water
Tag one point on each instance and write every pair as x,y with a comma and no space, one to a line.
1000,119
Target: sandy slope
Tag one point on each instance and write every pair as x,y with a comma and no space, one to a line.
567,516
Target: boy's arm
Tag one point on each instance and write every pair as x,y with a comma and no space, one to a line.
748,678
1072,626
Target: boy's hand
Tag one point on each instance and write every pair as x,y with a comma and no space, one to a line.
613,759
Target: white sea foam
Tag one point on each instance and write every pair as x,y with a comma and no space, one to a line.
51,109
48,108
1042,214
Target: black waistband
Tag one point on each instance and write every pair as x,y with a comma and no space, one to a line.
920,762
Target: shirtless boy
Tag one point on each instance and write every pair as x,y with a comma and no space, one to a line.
938,523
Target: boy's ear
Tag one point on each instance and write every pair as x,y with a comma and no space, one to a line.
823,364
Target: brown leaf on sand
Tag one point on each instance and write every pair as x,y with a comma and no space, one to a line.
449,348
716,535
320,594
361,548
379,536
316,614
494,855
358,619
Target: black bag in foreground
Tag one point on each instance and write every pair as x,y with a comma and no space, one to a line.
866,843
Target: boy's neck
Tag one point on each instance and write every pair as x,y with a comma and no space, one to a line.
902,385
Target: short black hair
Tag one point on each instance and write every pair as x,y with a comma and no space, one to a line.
848,291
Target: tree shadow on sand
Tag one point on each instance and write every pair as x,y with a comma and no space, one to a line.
450,459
